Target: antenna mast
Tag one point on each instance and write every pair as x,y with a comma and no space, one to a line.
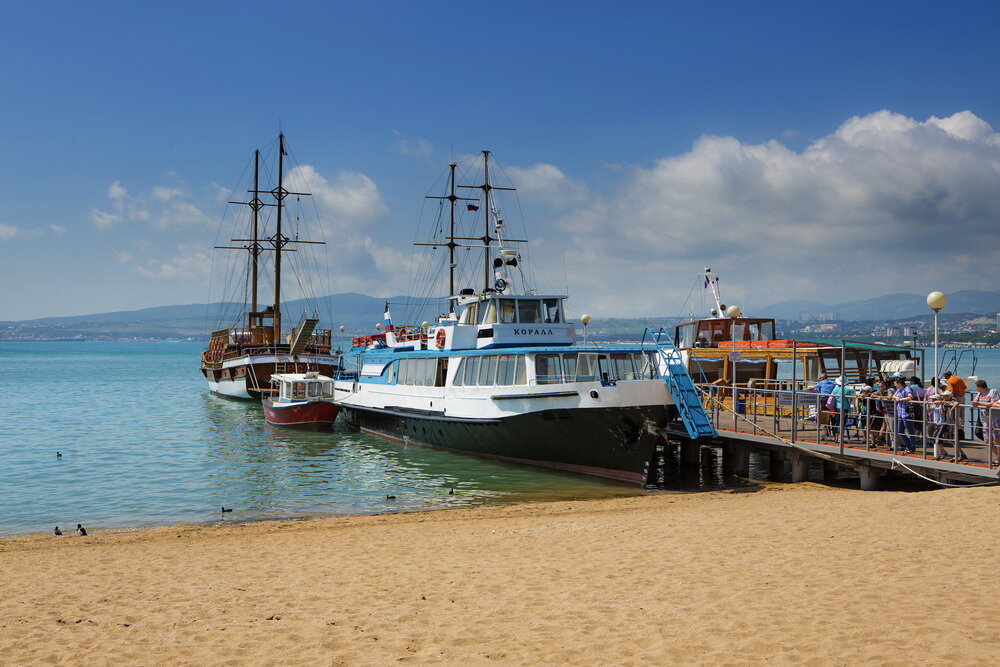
452,198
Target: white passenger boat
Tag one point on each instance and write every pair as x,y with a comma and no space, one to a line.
503,375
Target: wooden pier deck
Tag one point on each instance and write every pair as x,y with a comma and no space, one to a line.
786,424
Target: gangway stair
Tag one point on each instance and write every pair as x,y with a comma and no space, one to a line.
303,333
682,389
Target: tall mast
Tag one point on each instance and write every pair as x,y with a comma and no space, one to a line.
486,221
279,194
487,206
254,206
451,232
452,198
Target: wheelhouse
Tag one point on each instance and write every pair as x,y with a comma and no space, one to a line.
294,387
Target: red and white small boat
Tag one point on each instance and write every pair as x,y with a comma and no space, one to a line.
301,400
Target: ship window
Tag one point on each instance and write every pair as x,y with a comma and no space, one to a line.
470,314
505,369
327,390
490,314
569,365
471,367
586,367
622,364
645,365
390,375
487,370
767,330
508,311
314,389
286,390
547,368
520,374
459,378
428,374
299,390
550,308
528,311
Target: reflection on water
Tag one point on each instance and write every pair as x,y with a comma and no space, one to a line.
143,444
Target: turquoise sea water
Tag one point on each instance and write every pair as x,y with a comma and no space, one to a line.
143,443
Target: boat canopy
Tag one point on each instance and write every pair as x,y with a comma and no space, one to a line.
302,386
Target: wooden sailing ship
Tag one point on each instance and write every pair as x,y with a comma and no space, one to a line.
240,360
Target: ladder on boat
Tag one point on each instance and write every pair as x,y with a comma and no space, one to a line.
681,388
302,334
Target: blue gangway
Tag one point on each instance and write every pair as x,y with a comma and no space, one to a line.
681,387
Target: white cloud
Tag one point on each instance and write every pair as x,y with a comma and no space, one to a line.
7,232
351,202
547,184
419,148
103,219
164,193
116,191
883,204
192,264
125,258
57,229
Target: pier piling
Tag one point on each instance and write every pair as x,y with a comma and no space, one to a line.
800,466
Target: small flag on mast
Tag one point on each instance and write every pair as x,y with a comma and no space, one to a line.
707,282
472,207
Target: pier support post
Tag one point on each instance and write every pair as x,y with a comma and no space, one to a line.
800,466
831,471
735,460
776,465
690,452
869,477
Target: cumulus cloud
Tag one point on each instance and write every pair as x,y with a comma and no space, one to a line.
418,148
885,203
547,184
191,263
349,202
7,232
57,229
163,207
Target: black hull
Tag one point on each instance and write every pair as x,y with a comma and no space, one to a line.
614,443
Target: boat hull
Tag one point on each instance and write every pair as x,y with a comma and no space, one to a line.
249,377
615,443
310,415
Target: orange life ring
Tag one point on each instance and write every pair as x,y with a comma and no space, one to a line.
440,339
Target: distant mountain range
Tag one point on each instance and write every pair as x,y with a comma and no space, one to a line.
359,312
888,307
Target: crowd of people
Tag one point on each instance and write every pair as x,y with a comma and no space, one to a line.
899,413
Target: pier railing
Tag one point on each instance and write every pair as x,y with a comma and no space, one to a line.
931,429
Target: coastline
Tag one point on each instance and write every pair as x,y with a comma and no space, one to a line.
791,573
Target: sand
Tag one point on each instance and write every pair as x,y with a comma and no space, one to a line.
792,573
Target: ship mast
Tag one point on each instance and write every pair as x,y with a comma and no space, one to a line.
452,198
278,240
487,208
255,205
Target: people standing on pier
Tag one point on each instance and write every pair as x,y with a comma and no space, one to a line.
957,387
941,412
904,399
988,401
839,402
883,425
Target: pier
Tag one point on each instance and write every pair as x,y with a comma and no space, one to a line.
792,425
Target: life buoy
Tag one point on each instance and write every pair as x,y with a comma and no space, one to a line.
440,339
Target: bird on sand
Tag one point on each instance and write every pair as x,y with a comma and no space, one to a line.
57,532
452,492
224,509
80,529
390,497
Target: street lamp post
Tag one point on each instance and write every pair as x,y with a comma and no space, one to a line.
936,301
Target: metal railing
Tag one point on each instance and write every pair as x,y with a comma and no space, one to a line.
929,429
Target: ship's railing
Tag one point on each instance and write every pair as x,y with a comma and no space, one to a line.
936,428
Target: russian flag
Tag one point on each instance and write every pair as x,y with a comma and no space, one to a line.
471,207
707,282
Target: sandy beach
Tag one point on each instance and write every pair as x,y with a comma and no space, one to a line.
791,573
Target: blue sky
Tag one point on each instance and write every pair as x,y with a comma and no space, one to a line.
167,101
